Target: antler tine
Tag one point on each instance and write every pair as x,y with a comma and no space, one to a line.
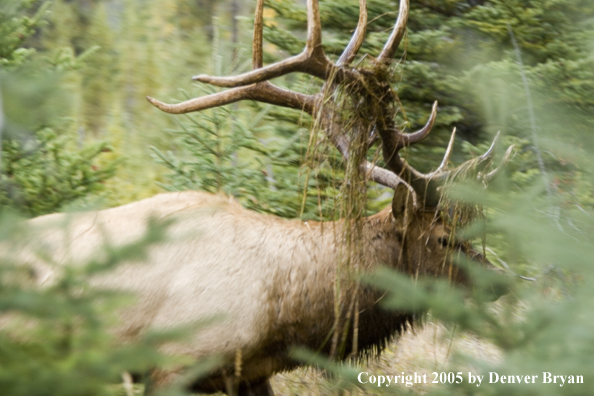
289,65
393,140
258,36
263,92
440,173
314,26
396,37
203,102
448,154
412,138
357,40
504,161
489,153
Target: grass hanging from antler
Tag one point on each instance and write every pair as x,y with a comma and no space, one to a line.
357,109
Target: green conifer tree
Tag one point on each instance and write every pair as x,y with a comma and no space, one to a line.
41,170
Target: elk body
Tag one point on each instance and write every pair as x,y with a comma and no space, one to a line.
273,279
270,280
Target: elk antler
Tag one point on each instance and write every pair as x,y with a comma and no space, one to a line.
393,140
250,87
397,34
254,85
357,40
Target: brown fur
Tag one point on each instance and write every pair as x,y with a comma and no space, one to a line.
271,278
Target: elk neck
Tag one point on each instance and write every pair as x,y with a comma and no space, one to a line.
303,300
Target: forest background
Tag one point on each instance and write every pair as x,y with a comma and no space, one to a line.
77,133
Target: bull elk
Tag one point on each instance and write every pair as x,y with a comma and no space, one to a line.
272,278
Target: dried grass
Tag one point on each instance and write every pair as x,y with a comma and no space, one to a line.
424,350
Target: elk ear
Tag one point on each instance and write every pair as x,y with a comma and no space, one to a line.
402,204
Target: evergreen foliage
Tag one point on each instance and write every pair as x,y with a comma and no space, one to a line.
59,339
211,144
15,28
238,152
41,170
44,173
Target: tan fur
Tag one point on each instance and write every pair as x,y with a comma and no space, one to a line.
271,279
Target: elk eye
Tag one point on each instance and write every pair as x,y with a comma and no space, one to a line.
443,241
